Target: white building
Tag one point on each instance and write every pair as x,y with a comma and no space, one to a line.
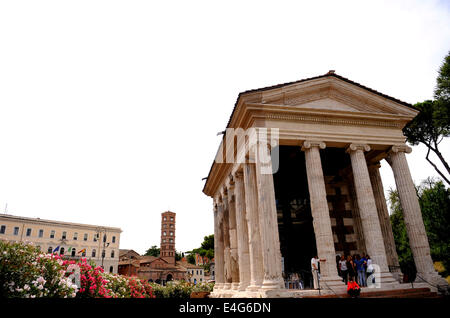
99,244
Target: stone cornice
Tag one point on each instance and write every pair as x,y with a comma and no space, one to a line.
320,116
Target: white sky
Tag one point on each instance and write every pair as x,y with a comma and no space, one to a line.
109,109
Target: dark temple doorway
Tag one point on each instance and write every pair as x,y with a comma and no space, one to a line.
297,240
296,231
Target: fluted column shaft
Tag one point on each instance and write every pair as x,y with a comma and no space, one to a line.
320,211
268,220
242,233
226,242
412,215
383,216
218,246
254,236
234,265
367,207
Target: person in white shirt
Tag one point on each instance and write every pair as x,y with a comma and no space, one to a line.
315,271
343,268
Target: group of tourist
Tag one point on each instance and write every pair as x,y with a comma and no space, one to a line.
355,268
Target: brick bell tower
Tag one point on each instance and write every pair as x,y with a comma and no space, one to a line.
167,249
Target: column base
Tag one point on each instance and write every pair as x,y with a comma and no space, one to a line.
235,286
272,284
243,286
433,279
226,286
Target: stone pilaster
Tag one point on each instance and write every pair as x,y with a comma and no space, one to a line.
412,215
242,232
254,236
218,246
234,264
226,241
268,221
385,223
368,210
321,213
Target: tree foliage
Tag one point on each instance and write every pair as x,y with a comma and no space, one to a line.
432,124
434,200
153,251
206,250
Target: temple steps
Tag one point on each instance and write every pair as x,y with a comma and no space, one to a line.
394,293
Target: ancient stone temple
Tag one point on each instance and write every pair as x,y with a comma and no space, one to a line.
297,174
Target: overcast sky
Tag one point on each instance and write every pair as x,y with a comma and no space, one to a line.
109,109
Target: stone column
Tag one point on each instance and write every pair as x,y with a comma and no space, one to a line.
268,220
242,232
385,223
357,225
320,213
226,241
234,265
412,215
254,237
218,246
368,210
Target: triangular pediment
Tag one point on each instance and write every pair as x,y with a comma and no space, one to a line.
333,94
327,104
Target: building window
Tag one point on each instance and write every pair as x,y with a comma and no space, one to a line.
96,237
75,236
171,233
16,230
85,236
52,234
165,219
41,233
3,229
171,218
114,239
28,232
111,269
164,233
73,251
64,235
93,252
61,252
50,250
171,240
171,225
112,254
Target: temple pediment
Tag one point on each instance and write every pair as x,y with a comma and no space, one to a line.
333,93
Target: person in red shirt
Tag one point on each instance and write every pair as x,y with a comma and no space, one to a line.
353,288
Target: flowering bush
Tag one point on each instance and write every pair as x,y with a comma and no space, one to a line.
127,287
180,289
26,272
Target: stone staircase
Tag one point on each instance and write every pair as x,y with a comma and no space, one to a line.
393,293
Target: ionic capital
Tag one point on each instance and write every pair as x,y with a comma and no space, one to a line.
308,144
399,148
356,147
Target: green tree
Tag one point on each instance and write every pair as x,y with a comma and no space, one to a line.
206,249
434,200
152,251
432,124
